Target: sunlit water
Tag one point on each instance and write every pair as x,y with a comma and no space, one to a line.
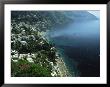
79,44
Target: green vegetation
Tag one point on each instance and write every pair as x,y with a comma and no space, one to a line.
26,69
32,55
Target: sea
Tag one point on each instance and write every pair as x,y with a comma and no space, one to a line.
79,45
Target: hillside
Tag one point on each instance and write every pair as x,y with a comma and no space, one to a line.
80,15
31,53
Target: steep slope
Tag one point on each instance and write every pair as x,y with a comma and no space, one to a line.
52,17
31,53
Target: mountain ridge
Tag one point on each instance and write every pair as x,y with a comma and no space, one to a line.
80,15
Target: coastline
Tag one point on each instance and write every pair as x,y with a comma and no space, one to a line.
61,69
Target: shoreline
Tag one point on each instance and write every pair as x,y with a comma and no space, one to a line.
61,68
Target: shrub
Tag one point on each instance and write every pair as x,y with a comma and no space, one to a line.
23,68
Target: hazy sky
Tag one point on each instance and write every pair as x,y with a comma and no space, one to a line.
96,13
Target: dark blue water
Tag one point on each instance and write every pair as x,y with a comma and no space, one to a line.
79,44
